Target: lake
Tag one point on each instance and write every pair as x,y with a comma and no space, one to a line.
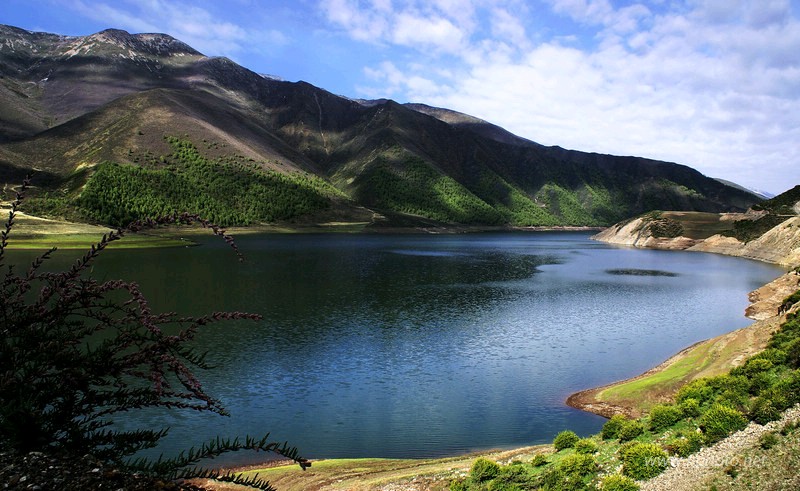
427,345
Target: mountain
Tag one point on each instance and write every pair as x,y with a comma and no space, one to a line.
760,193
119,126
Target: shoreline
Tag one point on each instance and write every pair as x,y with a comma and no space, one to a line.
586,400
704,358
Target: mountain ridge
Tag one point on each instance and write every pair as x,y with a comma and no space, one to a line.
71,103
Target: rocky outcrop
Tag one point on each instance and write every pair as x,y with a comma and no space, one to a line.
637,233
765,301
780,245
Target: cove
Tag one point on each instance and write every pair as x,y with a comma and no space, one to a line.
412,346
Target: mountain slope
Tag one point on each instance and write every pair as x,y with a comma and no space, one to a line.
70,103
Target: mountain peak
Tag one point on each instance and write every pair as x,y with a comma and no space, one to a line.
148,44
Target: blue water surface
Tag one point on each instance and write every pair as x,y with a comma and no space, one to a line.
426,345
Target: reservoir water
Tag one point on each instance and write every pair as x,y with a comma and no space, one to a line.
426,345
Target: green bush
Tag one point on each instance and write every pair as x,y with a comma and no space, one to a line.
644,460
458,485
552,478
788,388
761,381
768,440
738,384
483,470
565,439
764,409
792,349
586,446
630,430
776,356
538,460
696,389
663,416
789,427
685,445
720,421
612,426
578,465
618,482
512,478
757,365
690,407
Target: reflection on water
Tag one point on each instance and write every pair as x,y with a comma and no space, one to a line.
414,346
640,272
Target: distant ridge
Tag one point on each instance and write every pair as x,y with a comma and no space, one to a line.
761,194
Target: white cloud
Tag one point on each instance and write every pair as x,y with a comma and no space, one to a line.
193,25
438,33
370,24
440,26
586,11
714,84
508,27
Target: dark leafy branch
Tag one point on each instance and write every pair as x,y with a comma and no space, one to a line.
75,351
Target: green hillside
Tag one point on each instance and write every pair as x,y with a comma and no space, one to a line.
227,192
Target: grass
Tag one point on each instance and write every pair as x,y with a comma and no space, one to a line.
699,225
642,391
84,241
704,359
364,474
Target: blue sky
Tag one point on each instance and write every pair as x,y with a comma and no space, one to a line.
713,84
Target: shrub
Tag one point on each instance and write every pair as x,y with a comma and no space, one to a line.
788,388
663,416
720,421
586,446
630,430
552,478
776,356
696,389
792,349
685,445
578,465
76,351
736,400
565,439
644,460
763,410
789,427
734,384
768,440
612,426
618,482
690,407
761,381
458,485
512,477
483,470
757,365
538,460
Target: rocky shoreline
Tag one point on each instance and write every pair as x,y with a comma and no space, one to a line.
780,246
765,302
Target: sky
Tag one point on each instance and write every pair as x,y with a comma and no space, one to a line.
713,84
